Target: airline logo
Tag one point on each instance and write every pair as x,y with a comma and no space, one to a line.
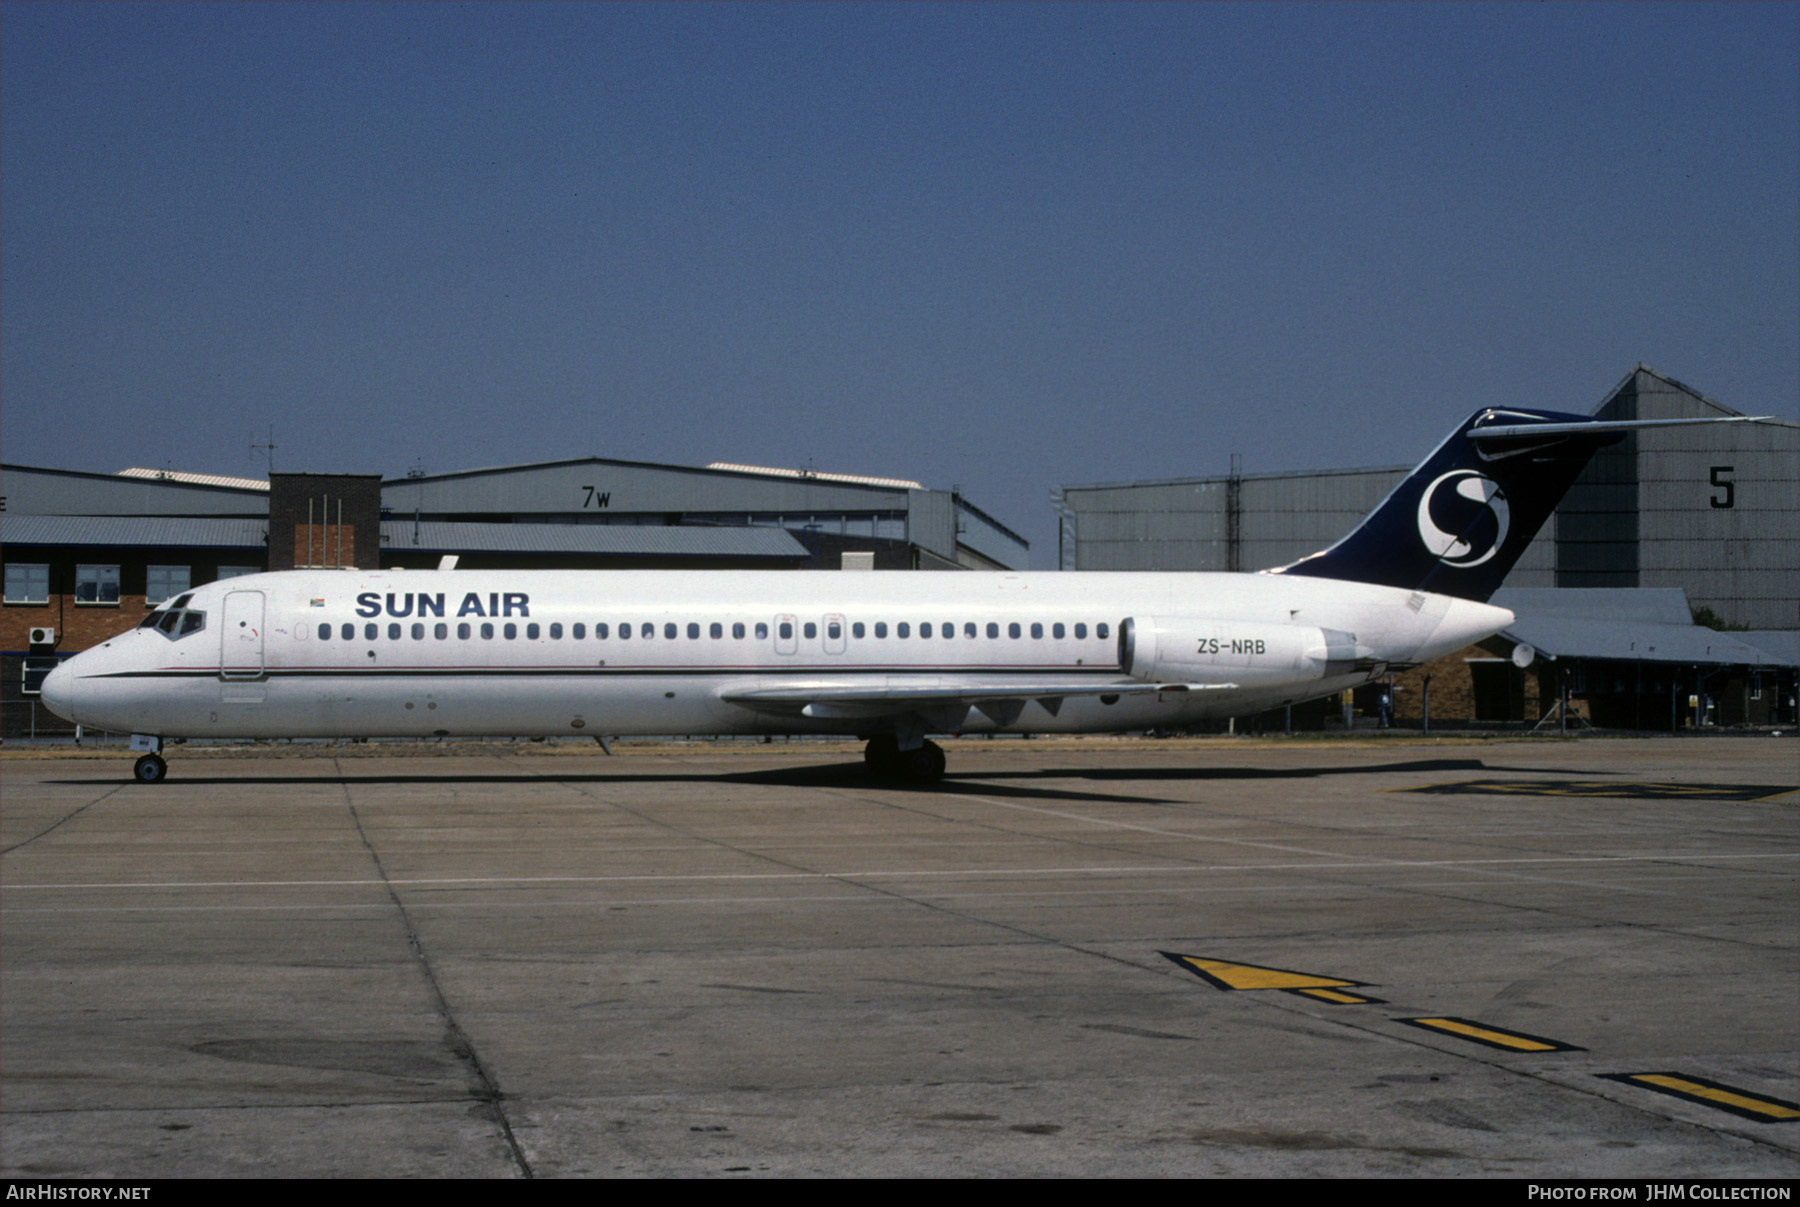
507,603
1463,518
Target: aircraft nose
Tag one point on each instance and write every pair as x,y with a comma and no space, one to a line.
58,692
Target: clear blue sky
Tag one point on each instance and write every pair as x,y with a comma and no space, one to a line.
1004,246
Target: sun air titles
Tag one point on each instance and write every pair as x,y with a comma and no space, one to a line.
420,603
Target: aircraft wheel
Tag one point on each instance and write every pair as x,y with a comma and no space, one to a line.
151,769
882,756
924,765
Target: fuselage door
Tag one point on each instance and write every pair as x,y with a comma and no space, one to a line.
241,636
834,634
787,635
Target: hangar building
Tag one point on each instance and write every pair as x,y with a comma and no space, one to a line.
1707,509
1702,513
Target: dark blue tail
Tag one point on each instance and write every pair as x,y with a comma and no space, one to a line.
1458,522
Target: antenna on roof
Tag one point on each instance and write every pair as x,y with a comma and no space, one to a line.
268,448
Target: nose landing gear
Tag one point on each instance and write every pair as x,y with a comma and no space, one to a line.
150,767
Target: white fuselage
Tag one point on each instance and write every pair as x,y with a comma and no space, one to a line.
347,653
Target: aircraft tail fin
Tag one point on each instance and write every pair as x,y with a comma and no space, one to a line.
1458,523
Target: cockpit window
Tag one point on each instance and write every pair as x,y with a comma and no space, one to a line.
176,621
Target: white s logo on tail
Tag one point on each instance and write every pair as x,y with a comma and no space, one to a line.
1455,524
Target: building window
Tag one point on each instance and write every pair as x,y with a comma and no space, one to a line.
226,572
165,582
35,671
27,583
97,584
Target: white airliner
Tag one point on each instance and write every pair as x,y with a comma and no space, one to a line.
890,657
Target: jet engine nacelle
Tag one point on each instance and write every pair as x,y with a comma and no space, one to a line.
1191,650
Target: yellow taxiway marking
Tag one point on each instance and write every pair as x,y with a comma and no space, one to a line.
1493,1037
1336,997
1711,1093
1226,974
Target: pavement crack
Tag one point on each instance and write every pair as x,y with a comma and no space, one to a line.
67,817
484,1088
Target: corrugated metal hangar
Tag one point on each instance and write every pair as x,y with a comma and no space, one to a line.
1708,509
87,554
1706,514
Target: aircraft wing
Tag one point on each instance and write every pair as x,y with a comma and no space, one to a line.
1000,700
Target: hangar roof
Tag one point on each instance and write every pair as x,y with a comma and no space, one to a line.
138,532
434,536
1649,624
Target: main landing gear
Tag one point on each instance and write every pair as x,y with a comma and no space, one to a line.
150,767
924,764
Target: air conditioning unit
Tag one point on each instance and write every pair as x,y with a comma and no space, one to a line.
43,636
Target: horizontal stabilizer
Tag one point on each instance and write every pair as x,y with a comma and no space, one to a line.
1513,431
